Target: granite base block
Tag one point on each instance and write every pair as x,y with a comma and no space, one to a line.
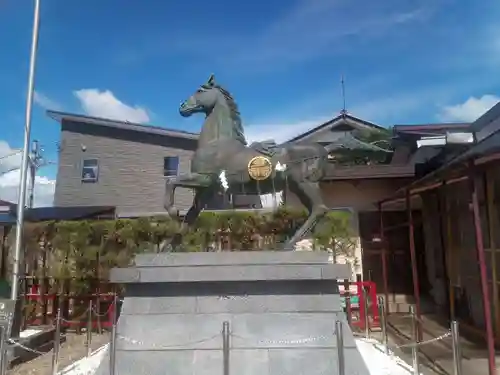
281,308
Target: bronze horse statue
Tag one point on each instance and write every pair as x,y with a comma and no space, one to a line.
224,162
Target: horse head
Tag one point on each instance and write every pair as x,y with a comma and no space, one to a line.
203,100
210,99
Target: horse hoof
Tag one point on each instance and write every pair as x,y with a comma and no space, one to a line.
176,242
173,212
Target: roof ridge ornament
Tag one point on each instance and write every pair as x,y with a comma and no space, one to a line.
343,111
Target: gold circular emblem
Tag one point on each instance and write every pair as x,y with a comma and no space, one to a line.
260,168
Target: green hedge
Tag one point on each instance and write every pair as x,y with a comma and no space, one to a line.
88,249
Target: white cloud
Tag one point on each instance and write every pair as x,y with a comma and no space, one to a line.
44,189
45,102
105,104
10,160
470,110
281,131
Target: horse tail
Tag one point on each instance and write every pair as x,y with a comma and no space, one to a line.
320,162
311,160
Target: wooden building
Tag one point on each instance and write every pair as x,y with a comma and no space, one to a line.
456,267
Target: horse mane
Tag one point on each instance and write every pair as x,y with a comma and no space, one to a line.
234,112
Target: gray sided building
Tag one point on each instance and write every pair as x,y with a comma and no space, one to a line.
115,163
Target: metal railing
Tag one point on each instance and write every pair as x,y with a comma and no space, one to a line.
415,345
59,323
226,336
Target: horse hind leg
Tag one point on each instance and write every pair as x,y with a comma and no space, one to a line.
309,194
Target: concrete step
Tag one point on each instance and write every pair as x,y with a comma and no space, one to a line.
401,298
399,307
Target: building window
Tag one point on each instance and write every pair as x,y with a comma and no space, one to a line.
170,166
90,170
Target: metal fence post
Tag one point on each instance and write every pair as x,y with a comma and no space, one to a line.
98,315
383,323
88,341
367,313
3,350
225,347
57,343
457,350
339,334
414,348
347,299
112,342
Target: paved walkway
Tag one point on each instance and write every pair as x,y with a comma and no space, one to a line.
71,350
436,354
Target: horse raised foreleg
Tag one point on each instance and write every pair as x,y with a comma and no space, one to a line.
188,180
200,200
168,203
309,194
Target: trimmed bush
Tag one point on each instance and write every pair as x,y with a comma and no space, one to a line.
87,250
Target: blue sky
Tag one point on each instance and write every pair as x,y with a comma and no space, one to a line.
404,61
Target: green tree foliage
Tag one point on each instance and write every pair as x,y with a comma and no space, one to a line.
380,138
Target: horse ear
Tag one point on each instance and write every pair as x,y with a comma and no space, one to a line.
211,80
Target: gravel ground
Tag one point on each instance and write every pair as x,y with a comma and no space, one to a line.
70,351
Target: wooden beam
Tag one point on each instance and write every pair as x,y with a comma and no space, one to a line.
449,250
385,245
414,270
417,191
437,185
491,211
487,159
478,234
441,206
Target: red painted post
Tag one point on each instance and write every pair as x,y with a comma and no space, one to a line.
372,291
361,304
414,272
384,259
478,231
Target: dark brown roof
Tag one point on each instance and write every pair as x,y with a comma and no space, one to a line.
483,121
335,172
432,126
6,203
487,124
349,142
65,213
487,147
429,129
331,122
89,120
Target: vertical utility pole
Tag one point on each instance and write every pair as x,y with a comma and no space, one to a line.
34,164
14,295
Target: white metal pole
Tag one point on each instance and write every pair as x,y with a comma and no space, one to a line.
26,149
457,351
339,333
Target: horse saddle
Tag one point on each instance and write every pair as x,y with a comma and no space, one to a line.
267,148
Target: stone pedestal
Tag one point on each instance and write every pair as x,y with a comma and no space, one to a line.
281,308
